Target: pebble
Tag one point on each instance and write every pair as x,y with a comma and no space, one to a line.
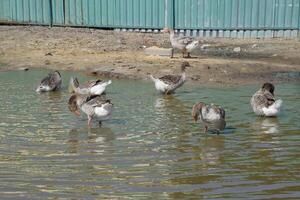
237,49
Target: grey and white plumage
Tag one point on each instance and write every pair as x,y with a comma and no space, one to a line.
169,83
51,82
94,87
264,103
209,115
183,43
93,106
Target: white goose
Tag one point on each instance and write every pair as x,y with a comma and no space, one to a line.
209,115
90,88
169,83
183,43
263,101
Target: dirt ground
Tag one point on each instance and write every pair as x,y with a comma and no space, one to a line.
109,53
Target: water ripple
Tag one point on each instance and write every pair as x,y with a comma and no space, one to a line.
150,149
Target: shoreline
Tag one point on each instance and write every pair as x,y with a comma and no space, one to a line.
111,54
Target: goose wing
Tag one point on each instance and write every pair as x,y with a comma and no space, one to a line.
53,80
219,111
263,99
91,102
170,79
84,88
212,113
46,80
96,101
91,83
184,40
87,84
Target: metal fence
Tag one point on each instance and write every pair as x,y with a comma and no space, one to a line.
213,18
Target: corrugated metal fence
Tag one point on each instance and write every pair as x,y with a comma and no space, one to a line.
214,18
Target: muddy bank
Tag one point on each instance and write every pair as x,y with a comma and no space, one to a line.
121,55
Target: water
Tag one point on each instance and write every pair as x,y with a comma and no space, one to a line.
150,149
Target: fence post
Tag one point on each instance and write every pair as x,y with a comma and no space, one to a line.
50,13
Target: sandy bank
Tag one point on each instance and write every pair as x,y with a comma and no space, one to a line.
121,55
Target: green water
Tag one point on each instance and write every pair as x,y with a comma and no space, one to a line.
150,149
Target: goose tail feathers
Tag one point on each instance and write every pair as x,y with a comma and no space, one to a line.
108,83
274,109
73,85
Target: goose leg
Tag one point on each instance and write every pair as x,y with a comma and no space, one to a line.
167,92
100,123
89,121
188,55
205,129
172,53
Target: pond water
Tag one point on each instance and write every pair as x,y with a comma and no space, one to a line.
150,149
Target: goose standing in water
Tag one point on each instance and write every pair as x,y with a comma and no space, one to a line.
93,106
50,83
183,43
209,115
263,101
96,87
169,83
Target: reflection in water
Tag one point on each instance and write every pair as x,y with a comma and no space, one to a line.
212,150
266,124
54,97
172,112
101,135
203,156
73,141
166,103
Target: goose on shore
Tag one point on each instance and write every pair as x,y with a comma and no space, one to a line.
210,115
169,83
263,101
95,87
183,43
51,82
97,107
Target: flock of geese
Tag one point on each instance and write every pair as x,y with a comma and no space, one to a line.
90,97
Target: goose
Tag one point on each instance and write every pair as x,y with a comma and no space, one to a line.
95,87
183,43
93,106
263,101
209,115
169,83
50,83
